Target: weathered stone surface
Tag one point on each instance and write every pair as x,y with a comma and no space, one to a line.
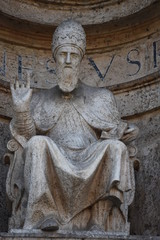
72,236
52,12
107,238
141,97
4,212
71,167
145,211
138,60
137,94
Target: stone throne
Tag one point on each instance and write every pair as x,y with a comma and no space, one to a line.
108,213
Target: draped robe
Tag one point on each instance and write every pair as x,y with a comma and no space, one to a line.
77,156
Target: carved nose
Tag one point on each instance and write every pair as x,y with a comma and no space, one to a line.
68,58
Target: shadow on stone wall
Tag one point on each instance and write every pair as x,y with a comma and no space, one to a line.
144,213
4,206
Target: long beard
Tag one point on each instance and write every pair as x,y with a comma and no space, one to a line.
67,78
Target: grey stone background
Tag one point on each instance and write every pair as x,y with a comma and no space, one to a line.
144,213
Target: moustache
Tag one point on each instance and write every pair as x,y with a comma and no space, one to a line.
64,65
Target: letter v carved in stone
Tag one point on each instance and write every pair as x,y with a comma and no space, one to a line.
100,75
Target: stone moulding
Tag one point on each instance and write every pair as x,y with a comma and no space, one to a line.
52,12
19,235
139,26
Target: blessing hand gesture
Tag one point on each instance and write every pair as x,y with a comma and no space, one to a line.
21,94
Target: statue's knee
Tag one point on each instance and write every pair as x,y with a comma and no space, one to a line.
116,145
122,146
36,142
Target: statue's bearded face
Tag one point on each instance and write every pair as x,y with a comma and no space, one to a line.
68,60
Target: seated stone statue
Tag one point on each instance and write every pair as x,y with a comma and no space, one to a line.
71,168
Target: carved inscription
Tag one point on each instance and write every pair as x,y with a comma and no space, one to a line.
104,69
156,52
129,60
100,75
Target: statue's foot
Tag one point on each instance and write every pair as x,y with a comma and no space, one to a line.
49,225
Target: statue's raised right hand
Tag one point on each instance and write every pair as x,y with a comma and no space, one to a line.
21,95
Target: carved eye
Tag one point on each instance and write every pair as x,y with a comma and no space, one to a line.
62,54
75,55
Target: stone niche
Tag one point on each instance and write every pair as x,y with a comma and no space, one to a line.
123,54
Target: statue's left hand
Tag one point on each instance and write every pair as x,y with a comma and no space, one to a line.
131,133
21,95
